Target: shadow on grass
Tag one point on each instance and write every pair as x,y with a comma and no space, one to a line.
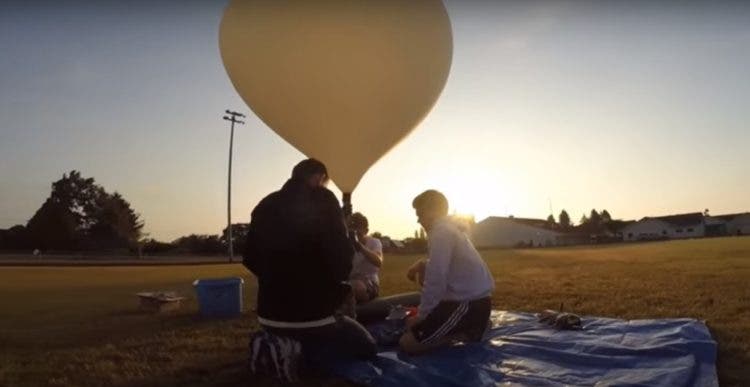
174,319
732,359
227,375
131,325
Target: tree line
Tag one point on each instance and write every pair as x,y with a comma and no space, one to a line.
594,222
80,215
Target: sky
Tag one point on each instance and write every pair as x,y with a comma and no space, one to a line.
640,108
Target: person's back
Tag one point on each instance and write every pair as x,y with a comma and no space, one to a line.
297,247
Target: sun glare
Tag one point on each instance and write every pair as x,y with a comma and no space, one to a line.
474,195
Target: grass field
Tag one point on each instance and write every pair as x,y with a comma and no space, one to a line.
80,326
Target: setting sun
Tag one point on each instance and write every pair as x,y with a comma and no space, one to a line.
475,194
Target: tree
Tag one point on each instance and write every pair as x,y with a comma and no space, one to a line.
564,219
152,246
79,214
606,217
239,236
14,238
377,235
551,219
80,196
584,220
200,244
114,223
53,226
594,218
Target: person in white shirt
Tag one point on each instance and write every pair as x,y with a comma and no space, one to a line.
456,283
368,258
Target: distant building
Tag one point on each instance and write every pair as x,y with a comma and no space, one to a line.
497,231
715,226
574,236
607,232
616,226
679,226
735,224
391,245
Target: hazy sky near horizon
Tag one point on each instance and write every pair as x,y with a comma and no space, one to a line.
637,107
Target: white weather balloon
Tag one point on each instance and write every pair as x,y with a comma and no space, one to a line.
343,81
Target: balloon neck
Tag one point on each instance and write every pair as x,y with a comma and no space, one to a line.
347,206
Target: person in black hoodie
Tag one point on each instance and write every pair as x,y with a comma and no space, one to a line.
297,246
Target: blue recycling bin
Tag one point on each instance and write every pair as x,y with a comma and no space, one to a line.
220,297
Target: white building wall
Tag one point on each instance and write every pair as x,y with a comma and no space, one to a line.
740,225
656,229
507,233
698,231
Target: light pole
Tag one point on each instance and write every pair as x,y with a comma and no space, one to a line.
232,117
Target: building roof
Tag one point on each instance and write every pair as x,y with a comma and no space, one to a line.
614,225
538,223
389,242
730,217
690,219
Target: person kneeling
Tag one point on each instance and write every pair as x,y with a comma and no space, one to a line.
297,247
456,283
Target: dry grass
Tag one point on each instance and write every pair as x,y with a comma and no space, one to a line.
79,326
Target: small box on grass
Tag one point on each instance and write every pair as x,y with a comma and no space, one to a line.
159,302
219,298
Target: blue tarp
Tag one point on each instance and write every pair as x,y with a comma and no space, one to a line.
519,351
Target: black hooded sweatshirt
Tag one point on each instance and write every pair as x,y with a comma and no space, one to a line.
297,247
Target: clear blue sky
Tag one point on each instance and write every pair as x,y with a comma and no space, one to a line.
636,107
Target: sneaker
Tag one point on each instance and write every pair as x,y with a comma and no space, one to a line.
275,356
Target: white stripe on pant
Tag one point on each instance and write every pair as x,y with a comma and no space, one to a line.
449,324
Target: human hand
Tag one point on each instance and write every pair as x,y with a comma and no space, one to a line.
412,321
416,272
